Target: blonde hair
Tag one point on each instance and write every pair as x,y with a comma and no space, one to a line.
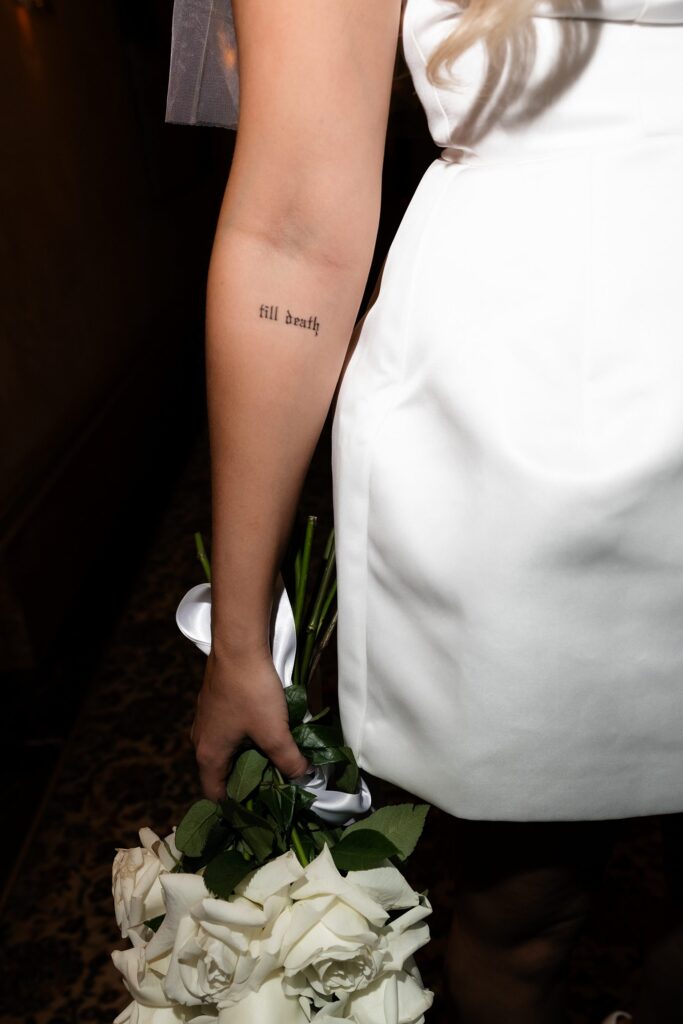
492,21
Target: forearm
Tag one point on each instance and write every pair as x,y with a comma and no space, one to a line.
270,383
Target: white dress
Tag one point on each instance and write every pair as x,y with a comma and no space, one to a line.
508,436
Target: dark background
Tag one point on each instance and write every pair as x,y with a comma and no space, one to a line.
107,216
106,221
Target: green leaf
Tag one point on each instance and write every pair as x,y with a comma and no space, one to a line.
256,831
328,755
304,799
220,838
269,799
320,743
315,736
246,775
348,780
280,803
154,922
288,795
260,841
240,816
401,824
361,850
322,836
297,703
225,871
194,829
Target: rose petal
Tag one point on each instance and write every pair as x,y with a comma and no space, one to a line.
233,913
135,889
268,1004
271,878
321,878
148,837
411,916
168,853
413,998
134,1013
387,886
180,984
406,1005
310,934
402,945
181,892
144,984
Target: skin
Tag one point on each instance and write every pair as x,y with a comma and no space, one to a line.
296,231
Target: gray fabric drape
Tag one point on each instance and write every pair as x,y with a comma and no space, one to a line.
203,81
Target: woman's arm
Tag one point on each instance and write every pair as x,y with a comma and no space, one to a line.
291,256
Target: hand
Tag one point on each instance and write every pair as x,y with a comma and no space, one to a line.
241,696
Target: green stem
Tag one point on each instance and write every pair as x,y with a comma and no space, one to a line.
305,563
202,555
326,607
327,635
300,595
298,847
327,583
323,643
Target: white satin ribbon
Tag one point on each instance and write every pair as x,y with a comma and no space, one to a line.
193,617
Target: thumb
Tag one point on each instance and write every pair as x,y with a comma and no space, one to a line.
283,752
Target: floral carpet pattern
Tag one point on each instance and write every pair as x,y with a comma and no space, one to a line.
129,762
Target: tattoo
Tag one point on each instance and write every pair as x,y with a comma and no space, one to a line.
270,313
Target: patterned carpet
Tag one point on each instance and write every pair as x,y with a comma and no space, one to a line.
129,762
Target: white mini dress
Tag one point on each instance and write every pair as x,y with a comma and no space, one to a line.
508,435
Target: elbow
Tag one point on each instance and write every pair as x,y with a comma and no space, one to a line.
337,234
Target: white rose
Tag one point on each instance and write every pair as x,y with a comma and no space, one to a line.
268,1005
402,936
144,981
186,890
135,1013
332,944
339,938
135,879
397,997
222,950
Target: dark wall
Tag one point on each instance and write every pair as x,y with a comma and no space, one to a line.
106,221
106,216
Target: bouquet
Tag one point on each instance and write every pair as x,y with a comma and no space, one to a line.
282,903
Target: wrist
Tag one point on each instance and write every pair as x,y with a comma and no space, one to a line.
229,646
